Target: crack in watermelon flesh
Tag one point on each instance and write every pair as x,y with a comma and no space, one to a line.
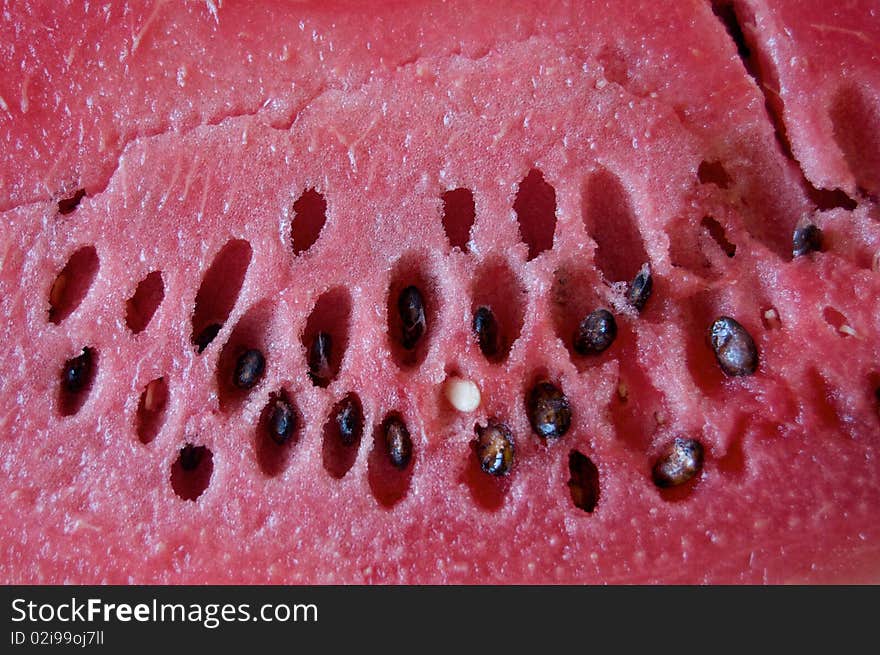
258,176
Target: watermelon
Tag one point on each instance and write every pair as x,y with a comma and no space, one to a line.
427,292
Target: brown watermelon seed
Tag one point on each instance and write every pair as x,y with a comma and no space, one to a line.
282,421
412,313
349,421
549,411
398,443
67,205
249,369
806,239
583,485
734,347
206,336
495,449
77,372
680,460
640,289
486,329
595,333
319,359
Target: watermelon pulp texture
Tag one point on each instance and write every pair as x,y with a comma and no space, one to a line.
266,172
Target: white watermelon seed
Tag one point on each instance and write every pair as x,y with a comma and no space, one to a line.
462,394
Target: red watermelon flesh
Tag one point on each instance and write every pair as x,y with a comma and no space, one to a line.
590,138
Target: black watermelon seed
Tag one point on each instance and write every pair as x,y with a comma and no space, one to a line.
806,239
549,411
640,289
190,456
398,443
282,421
206,336
495,449
412,315
595,333
249,369
486,329
349,421
680,461
319,359
734,347
77,372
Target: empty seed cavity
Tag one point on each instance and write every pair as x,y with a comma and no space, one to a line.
494,448
72,283
535,207
609,219
309,216
342,436
548,410
679,461
68,205
139,309
458,216
583,483
713,172
734,347
640,290
151,410
219,291
77,376
462,394
595,333
191,471
806,239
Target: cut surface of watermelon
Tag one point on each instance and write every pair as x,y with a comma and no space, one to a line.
215,368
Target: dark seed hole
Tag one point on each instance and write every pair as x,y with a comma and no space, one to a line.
610,220
713,172
413,307
497,309
836,320
719,235
139,309
342,436
309,216
458,216
206,336
583,485
151,410
191,471
325,337
827,199
69,204
390,462
77,376
72,283
277,431
535,207
219,291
